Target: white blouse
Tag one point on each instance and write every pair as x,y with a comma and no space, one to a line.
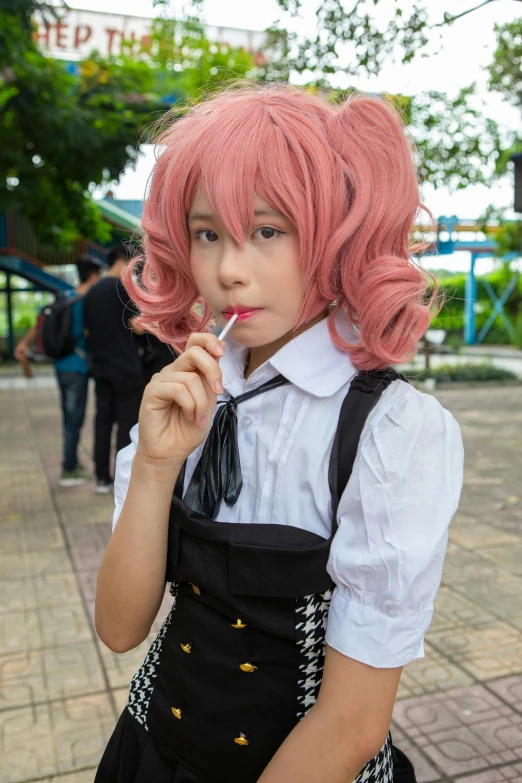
387,555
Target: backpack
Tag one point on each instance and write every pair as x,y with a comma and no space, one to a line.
54,328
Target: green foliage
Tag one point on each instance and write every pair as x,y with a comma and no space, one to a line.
458,147
505,72
62,134
509,238
189,65
364,34
465,372
507,233
58,134
505,77
356,31
26,306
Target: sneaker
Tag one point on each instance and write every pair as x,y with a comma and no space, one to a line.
104,487
73,478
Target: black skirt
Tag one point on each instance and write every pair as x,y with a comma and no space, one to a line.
132,756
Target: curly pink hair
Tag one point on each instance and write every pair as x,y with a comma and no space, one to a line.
343,174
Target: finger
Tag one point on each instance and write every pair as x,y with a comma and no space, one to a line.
193,383
207,341
196,388
181,396
197,359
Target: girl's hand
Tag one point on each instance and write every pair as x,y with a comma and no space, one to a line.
179,402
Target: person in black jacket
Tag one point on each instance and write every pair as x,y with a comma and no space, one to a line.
116,365
155,354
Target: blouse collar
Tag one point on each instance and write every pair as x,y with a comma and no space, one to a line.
311,361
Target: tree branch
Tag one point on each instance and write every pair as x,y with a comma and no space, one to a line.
450,19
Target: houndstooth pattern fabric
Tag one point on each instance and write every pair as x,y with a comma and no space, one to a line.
311,617
380,768
142,684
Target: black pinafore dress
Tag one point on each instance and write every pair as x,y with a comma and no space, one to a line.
239,660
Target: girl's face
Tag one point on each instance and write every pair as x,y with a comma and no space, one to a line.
261,281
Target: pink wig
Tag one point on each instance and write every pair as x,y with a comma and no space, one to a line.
344,175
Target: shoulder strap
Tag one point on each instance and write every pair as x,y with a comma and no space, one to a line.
364,393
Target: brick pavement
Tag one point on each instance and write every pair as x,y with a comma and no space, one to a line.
459,711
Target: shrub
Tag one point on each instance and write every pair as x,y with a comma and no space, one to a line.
464,372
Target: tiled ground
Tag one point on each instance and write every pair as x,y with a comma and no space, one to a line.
459,712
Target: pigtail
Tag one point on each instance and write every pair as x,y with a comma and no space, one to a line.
383,290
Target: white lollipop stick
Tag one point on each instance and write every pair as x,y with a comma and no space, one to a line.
228,327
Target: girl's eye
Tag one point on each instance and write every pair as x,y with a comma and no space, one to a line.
205,235
267,232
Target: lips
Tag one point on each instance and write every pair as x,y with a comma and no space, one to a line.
243,313
239,309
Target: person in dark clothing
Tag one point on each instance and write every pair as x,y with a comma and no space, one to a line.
114,351
72,374
155,356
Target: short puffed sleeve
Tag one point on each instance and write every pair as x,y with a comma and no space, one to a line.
387,555
122,474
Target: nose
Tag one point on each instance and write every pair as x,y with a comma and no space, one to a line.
233,266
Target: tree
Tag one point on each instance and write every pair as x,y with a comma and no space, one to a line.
365,32
61,133
458,146
505,72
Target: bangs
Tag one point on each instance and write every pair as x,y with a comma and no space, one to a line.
253,161
239,147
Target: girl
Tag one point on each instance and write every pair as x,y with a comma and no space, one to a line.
303,532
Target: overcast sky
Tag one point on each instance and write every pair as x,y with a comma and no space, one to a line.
467,49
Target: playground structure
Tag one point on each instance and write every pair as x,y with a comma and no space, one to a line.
21,256
458,235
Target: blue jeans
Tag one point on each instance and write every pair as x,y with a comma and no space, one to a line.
73,393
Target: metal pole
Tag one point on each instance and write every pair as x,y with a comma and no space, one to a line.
10,326
469,306
3,230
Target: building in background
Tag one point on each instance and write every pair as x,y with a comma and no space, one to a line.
78,32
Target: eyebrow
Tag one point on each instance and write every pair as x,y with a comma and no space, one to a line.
257,213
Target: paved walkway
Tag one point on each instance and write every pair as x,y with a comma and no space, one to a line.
459,713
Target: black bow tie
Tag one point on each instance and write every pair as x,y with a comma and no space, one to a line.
217,475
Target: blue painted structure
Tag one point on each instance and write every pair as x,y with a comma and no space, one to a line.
40,279
133,206
478,249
